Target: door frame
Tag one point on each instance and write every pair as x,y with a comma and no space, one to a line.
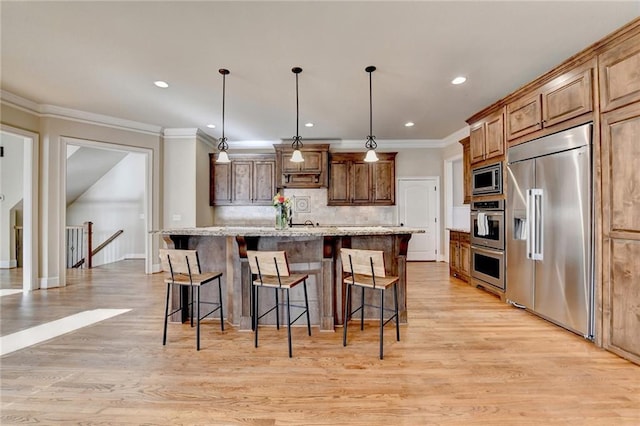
30,210
148,193
438,228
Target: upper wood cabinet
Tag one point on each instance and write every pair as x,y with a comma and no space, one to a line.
311,173
487,138
466,169
354,182
620,74
247,180
565,97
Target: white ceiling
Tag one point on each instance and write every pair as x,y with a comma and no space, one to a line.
102,57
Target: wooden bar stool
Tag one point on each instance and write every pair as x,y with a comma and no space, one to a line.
365,269
271,269
182,268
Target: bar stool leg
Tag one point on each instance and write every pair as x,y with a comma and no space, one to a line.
198,317
345,319
362,311
166,314
221,312
306,303
256,314
191,304
277,311
395,300
289,323
381,321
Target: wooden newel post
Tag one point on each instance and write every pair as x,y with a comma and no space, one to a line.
88,255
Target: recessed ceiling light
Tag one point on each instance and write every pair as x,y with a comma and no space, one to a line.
458,80
308,125
409,124
161,84
211,126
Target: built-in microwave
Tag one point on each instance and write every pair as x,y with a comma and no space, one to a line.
487,179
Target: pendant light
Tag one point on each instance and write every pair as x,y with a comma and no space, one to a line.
370,144
223,146
296,157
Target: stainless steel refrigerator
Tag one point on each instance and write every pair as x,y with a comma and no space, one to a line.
549,244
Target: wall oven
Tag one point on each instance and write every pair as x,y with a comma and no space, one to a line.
487,243
487,224
487,180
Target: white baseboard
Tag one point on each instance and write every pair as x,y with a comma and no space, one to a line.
155,268
52,282
8,264
134,256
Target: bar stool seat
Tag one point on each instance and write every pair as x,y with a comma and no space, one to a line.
365,269
182,268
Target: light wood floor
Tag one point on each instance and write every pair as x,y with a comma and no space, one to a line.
465,358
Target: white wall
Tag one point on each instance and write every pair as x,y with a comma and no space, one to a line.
11,193
115,201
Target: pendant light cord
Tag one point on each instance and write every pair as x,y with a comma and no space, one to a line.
224,91
297,110
370,106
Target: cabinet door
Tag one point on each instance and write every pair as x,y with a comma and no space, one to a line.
289,166
453,257
619,76
466,169
361,184
477,143
567,99
264,187
621,169
242,180
339,185
221,183
524,116
384,182
465,259
312,162
494,137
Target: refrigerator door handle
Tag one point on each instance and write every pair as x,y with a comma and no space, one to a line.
536,196
529,224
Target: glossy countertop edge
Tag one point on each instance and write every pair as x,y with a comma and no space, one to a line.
458,230
263,231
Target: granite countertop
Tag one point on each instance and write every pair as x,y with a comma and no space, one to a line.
301,231
458,230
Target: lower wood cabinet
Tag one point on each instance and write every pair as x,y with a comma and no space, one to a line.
246,180
459,255
354,182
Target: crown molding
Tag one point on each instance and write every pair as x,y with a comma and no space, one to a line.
53,111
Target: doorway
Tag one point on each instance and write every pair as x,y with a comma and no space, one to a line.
418,207
24,206
116,194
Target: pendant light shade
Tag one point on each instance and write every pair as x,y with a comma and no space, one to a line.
223,146
370,144
296,157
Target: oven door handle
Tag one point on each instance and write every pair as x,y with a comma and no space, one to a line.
534,221
488,251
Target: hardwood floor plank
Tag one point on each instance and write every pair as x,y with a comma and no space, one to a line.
463,358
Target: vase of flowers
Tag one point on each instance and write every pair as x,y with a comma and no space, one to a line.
282,205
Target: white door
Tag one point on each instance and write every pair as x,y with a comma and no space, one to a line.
418,208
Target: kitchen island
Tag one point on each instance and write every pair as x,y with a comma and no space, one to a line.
312,250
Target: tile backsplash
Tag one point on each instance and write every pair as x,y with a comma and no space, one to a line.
308,204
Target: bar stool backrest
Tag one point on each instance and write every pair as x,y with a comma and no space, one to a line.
184,262
268,263
356,261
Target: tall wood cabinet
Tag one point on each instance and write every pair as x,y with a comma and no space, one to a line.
600,84
352,181
246,180
466,169
620,98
